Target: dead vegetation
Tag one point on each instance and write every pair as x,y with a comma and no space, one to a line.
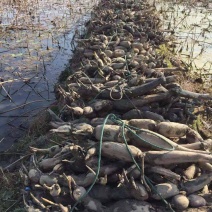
148,153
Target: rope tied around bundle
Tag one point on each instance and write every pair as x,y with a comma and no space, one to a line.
124,126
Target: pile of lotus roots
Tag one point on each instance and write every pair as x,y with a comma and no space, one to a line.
125,118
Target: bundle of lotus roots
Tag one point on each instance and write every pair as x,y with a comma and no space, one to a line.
124,117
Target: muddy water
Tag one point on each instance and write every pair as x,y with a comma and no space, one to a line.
191,22
35,46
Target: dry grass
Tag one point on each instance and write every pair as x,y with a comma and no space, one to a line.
10,193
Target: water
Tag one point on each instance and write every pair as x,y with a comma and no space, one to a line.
35,46
191,22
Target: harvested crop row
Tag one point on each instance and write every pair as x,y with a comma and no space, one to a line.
123,113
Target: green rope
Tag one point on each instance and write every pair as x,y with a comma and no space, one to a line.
131,129
123,125
98,167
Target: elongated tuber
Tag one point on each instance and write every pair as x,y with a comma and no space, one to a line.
119,151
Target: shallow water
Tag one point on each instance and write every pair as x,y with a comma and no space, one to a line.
192,25
35,46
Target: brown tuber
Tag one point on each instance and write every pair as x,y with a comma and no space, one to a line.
180,202
166,190
119,151
196,201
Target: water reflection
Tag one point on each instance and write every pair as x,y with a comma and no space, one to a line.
191,23
35,46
